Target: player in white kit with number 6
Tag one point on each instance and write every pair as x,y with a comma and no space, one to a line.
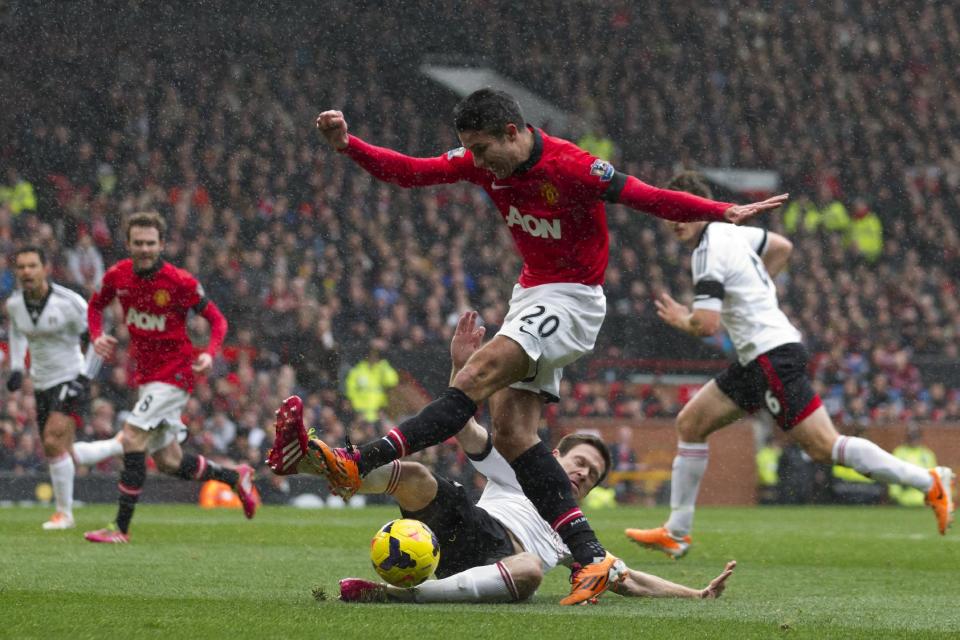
732,269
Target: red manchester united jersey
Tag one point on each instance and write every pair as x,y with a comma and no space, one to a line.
553,203
155,307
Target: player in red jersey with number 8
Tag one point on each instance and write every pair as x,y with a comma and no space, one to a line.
551,195
156,298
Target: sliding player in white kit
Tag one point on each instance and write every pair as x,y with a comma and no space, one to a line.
498,549
49,320
732,269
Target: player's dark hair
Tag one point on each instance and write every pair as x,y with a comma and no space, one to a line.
690,182
146,219
568,442
31,248
488,110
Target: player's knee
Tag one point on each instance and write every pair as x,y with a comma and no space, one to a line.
473,377
513,442
820,451
52,446
688,425
416,476
527,573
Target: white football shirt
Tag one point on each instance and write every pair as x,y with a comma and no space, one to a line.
729,277
53,336
504,500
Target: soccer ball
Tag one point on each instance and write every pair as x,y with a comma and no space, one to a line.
404,552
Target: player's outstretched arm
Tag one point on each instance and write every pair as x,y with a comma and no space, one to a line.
389,165
680,206
467,338
740,213
699,322
644,585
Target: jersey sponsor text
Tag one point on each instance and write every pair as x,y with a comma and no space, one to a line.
534,226
146,321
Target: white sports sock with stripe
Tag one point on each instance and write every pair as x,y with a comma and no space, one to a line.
382,479
873,462
90,453
688,468
62,471
489,583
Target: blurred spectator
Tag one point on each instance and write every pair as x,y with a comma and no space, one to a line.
85,264
914,451
369,381
866,231
17,193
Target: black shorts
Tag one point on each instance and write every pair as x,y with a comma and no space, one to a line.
49,401
469,536
777,381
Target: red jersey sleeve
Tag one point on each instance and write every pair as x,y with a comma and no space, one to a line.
218,326
587,175
191,291
99,301
406,171
670,205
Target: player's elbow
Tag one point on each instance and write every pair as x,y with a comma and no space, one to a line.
705,323
779,248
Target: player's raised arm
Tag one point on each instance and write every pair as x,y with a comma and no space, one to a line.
389,165
467,338
679,206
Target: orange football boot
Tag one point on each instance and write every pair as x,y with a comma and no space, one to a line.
588,582
660,539
940,497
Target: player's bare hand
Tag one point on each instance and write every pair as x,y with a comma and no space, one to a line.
671,311
333,126
104,346
718,584
203,364
740,213
466,339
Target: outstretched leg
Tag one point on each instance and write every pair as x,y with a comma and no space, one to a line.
819,438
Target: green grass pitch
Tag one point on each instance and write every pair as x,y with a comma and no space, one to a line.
803,573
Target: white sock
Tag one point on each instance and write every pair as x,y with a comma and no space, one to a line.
382,479
873,462
90,453
688,468
489,583
61,477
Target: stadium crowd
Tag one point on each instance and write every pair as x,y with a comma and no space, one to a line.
855,104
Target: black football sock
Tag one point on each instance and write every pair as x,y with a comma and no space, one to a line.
199,468
441,419
132,477
546,484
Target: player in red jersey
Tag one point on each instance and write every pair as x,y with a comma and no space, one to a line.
551,195
156,298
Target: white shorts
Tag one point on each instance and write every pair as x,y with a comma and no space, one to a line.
159,409
555,324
